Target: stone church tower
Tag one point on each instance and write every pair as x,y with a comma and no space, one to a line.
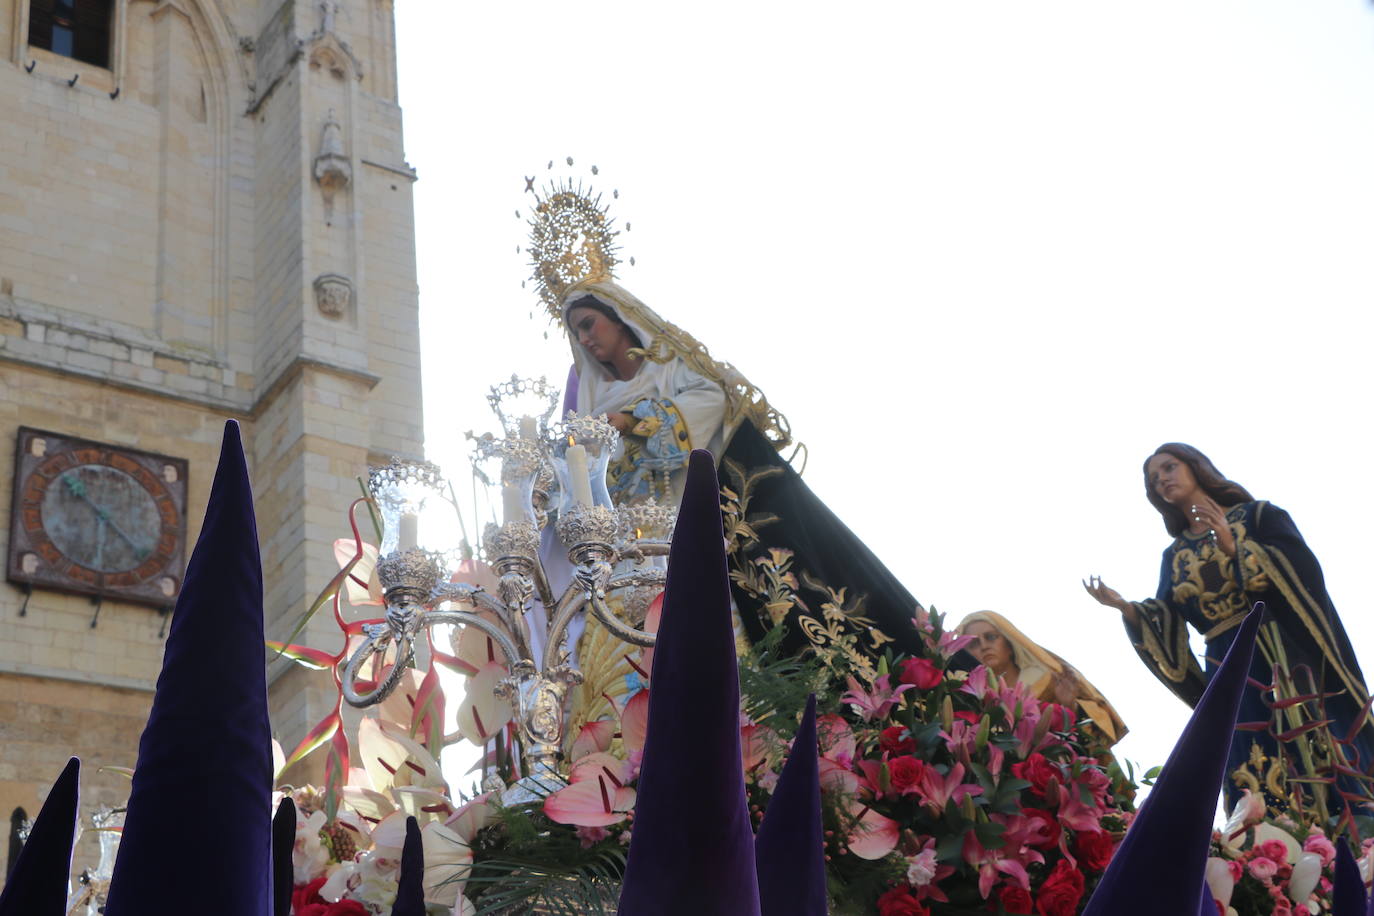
205,212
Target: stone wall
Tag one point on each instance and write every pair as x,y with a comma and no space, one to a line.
218,225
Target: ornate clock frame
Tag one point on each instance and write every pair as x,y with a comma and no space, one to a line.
134,501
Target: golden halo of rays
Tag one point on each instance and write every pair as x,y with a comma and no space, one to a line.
572,238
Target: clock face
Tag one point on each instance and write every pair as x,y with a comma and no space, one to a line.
97,519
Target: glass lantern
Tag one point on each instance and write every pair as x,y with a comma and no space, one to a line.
403,491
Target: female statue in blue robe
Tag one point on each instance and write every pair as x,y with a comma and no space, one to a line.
1230,551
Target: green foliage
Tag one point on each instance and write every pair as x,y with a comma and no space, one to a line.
525,863
774,686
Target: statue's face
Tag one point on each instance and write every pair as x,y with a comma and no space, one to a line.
989,646
603,338
1171,478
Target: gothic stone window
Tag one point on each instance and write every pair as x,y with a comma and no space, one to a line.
73,28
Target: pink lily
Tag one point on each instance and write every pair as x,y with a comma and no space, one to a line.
1076,815
936,791
877,703
989,862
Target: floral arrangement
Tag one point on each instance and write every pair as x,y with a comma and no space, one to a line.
1273,866
958,794
945,791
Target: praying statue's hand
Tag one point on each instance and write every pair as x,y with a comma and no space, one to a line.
1104,594
623,422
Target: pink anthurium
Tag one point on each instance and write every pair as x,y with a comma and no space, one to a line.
362,585
837,778
651,620
593,765
873,836
756,743
634,722
482,714
592,738
836,739
595,801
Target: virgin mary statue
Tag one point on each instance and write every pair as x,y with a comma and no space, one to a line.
792,560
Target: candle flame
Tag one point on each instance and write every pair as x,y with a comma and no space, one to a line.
572,441
639,533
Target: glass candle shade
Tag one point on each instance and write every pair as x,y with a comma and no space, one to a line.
403,491
582,453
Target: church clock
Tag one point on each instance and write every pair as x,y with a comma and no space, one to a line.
97,519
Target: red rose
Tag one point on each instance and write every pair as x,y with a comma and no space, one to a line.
1051,829
312,909
903,774
921,672
347,908
307,893
896,740
899,902
1014,899
1062,890
1036,769
1094,849
970,717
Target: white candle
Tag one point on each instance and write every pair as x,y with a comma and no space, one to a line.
528,428
512,504
578,478
409,536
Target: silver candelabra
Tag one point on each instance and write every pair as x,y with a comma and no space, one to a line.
561,476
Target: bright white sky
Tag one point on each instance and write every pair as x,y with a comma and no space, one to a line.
985,257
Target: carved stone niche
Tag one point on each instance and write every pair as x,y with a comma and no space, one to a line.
332,169
333,295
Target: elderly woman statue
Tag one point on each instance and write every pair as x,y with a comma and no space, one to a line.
1015,657
1230,550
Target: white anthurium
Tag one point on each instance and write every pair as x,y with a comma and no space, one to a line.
1306,873
392,758
278,759
473,816
1266,832
423,804
398,708
369,804
448,860
364,571
482,714
1249,810
355,822
1366,865
475,648
1219,880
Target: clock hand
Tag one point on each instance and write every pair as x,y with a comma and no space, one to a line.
139,551
78,489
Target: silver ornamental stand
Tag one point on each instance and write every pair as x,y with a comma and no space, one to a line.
597,536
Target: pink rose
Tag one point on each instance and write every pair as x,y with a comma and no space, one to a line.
1263,867
1323,847
921,672
1273,849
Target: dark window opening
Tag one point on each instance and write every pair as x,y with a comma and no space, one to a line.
73,28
